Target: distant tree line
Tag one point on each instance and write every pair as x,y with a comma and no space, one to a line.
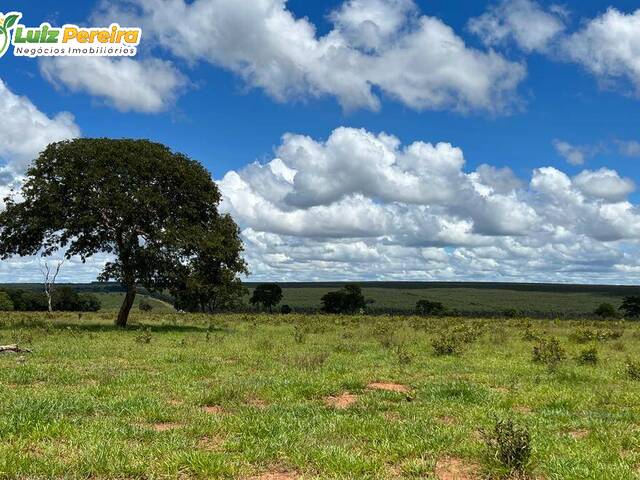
64,299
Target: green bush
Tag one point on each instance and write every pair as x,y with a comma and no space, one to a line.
427,307
447,344
510,444
633,369
588,356
605,310
587,334
6,304
549,352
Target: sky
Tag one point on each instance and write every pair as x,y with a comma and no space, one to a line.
367,139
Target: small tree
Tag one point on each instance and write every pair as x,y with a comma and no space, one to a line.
426,307
6,304
605,310
50,274
151,209
349,299
66,299
89,303
267,294
631,307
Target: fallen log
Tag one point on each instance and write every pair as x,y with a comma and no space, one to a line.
14,349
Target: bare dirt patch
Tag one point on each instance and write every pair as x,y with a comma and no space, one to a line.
213,409
164,426
256,402
276,475
210,444
452,468
447,420
389,387
578,434
342,401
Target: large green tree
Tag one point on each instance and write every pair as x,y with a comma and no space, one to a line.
154,210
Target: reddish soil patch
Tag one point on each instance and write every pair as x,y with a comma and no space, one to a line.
342,401
213,409
389,387
578,434
257,403
447,420
165,426
210,444
277,475
451,468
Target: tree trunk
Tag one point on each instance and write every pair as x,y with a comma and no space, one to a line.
123,315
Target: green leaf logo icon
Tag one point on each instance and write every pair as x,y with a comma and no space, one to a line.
6,25
10,21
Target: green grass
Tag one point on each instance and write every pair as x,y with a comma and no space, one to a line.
112,302
95,402
466,300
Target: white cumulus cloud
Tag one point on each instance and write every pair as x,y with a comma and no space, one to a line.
374,45
363,205
149,85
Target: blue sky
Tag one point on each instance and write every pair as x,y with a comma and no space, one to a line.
569,102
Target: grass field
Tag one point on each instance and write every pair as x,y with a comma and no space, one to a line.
299,397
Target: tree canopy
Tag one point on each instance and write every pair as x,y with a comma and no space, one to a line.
349,299
154,210
267,294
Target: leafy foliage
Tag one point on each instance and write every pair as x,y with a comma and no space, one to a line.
154,210
267,294
549,352
349,299
631,307
605,310
6,304
588,356
510,444
427,307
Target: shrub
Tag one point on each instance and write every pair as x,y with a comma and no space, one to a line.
145,306
510,444
299,333
6,304
285,309
405,357
549,352
144,337
383,333
605,310
349,299
447,344
426,307
631,307
89,303
588,356
633,369
586,334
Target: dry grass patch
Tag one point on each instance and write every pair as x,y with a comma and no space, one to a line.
164,426
213,409
342,401
452,468
389,387
276,475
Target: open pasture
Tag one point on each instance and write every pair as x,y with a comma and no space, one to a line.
314,397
